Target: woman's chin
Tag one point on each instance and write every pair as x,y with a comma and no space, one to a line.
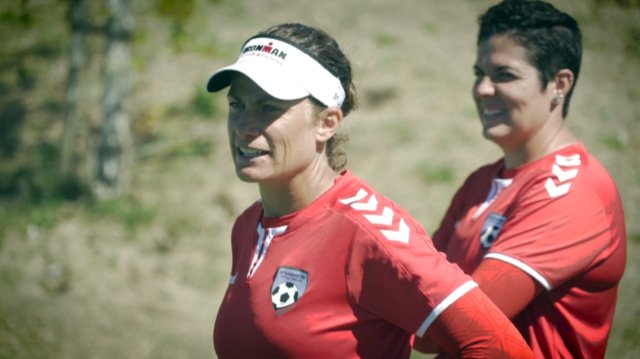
252,175
246,178
496,132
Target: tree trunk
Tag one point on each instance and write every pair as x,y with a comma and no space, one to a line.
115,151
77,58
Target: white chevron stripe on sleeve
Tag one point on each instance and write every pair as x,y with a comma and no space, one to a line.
556,190
401,235
562,174
570,161
360,195
370,205
385,218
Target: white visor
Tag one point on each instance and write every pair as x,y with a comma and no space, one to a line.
283,71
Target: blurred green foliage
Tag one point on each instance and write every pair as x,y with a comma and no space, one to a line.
17,15
203,103
12,113
430,174
618,142
633,42
129,211
623,3
386,40
19,215
178,12
198,147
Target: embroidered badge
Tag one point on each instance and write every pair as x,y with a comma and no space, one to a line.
491,229
289,284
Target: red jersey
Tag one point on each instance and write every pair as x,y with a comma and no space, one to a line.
559,219
350,276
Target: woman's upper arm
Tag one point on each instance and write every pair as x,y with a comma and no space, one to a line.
473,327
509,287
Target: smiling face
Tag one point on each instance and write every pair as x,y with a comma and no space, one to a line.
512,105
271,140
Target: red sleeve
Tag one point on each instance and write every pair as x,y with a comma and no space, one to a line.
401,282
473,327
508,287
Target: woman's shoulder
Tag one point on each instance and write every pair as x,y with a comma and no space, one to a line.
373,212
251,213
483,174
570,174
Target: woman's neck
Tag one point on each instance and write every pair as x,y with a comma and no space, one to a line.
296,193
541,144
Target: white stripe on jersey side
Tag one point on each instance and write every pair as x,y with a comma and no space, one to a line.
522,266
385,218
450,299
262,246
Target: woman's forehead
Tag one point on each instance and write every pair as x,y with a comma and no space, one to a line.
241,84
501,49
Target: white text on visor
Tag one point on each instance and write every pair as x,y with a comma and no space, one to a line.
284,72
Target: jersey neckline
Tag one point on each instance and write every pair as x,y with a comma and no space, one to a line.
327,197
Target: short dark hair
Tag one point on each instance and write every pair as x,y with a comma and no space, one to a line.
327,52
551,38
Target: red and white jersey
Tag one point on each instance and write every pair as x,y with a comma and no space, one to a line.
559,219
350,276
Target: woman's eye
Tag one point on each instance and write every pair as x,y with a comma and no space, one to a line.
503,77
235,105
270,108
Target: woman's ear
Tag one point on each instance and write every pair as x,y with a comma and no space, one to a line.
563,81
329,121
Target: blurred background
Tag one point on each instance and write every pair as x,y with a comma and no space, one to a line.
117,193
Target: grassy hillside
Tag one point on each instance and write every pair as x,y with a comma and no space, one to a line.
142,276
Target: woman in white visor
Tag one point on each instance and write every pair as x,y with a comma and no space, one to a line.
323,265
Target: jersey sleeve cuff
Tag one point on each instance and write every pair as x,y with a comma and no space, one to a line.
450,299
522,266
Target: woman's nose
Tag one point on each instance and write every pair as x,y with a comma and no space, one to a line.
484,87
245,125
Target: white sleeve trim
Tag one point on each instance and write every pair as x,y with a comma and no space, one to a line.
523,266
450,299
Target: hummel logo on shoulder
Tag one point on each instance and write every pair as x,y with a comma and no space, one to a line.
384,218
563,176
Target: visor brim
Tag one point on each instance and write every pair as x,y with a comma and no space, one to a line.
269,78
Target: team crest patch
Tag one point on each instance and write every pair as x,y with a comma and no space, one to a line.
491,229
288,287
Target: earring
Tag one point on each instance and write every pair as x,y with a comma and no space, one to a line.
558,97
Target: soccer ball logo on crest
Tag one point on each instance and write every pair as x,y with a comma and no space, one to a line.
284,295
